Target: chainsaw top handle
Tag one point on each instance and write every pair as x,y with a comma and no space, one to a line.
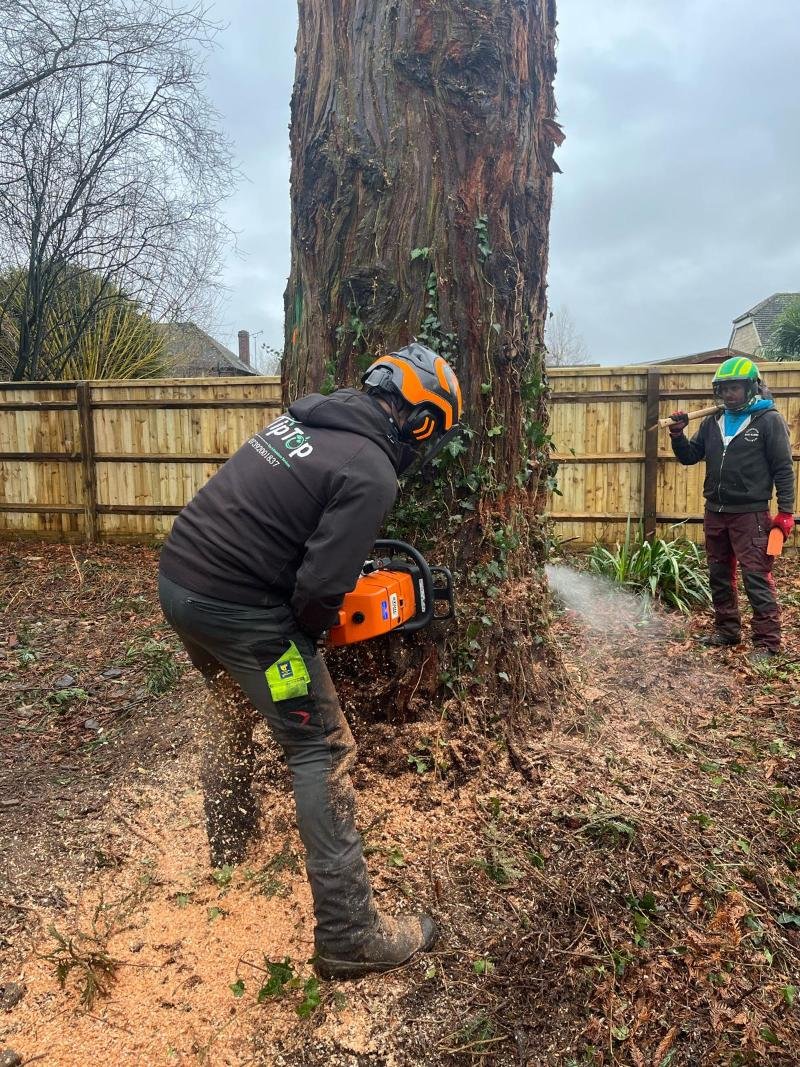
427,591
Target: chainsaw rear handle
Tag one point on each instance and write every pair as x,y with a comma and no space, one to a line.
433,583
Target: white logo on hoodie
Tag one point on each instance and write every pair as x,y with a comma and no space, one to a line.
295,441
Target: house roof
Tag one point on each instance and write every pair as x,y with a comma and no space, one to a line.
714,355
193,353
763,315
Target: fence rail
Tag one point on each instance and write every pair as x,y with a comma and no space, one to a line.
117,460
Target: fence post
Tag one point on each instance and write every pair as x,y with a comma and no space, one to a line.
83,392
651,452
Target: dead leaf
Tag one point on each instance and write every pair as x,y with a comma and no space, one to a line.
592,694
664,1045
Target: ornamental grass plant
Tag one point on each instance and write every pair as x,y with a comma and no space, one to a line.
672,572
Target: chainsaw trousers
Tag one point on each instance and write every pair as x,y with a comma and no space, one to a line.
742,538
237,648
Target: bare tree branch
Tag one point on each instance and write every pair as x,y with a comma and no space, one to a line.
565,346
111,165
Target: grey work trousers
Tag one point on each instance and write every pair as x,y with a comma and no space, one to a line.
233,645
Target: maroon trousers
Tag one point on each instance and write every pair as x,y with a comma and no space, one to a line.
742,537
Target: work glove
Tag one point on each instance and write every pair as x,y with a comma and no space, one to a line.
679,423
784,522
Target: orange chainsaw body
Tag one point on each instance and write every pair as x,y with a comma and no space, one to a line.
380,602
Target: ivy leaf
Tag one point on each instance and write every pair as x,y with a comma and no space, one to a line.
279,975
311,998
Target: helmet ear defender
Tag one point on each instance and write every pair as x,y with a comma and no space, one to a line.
420,425
378,377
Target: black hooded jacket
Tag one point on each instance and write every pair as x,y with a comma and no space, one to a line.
291,516
741,475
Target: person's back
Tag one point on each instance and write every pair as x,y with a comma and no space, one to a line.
253,535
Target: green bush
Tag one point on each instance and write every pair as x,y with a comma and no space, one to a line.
673,572
784,343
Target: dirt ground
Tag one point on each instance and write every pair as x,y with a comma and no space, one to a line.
635,902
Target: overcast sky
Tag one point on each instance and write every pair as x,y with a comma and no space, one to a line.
678,205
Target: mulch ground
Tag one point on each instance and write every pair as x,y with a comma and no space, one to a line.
634,900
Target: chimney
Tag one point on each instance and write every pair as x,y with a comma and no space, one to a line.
244,347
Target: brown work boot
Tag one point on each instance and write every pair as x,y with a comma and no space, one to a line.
718,640
761,655
392,944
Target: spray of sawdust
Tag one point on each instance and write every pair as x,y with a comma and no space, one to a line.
602,606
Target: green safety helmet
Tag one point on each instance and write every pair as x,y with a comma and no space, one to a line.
738,369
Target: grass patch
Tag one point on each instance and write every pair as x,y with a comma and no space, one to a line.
85,954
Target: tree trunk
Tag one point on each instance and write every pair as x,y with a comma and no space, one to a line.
422,157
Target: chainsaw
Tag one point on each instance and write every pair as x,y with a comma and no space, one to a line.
395,593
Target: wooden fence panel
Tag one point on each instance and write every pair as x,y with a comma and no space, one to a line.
599,421
118,460
40,472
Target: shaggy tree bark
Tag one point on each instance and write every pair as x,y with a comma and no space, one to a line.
422,157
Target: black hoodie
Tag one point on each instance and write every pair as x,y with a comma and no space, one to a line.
741,474
291,516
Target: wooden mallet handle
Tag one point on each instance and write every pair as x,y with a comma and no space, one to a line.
692,415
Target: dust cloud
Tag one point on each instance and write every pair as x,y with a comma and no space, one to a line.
603,606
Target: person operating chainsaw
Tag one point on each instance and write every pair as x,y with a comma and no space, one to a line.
747,452
253,573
